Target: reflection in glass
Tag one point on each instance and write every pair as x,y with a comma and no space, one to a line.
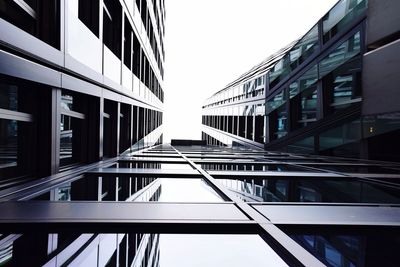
8,143
341,15
380,124
12,162
66,136
8,96
303,98
344,134
340,55
355,247
308,79
343,85
313,190
308,107
80,249
304,146
274,103
67,102
136,249
298,54
278,123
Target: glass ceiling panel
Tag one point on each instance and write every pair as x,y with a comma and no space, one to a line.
136,249
326,190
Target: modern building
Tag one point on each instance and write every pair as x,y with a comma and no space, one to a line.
80,81
332,92
85,180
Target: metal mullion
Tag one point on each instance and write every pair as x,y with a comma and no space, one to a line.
27,8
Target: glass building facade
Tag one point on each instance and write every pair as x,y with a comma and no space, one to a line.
316,96
80,81
85,179
187,203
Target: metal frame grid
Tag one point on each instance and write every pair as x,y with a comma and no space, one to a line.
20,212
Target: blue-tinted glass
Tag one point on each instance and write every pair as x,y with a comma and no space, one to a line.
342,15
275,102
380,124
340,55
343,84
304,146
350,248
298,54
344,134
343,190
280,69
308,106
281,122
304,48
307,80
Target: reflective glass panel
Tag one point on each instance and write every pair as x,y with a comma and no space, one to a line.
8,96
344,134
350,247
136,249
8,143
281,122
298,54
340,55
304,146
341,15
308,107
275,102
327,190
380,124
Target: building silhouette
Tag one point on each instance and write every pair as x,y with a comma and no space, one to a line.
85,179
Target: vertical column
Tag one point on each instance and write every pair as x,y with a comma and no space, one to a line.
118,117
55,129
101,128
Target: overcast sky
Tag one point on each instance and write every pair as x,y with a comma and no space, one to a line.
209,43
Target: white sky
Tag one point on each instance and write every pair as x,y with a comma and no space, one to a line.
209,43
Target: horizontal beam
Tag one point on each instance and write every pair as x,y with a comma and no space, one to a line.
152,160
274,174
118,217
159,173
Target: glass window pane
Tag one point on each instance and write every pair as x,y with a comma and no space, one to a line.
276,101
304,48
297,55
344,134
308,106
342,15
298,189
8,96
304,146
340,55
347,247
8,143
67,102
